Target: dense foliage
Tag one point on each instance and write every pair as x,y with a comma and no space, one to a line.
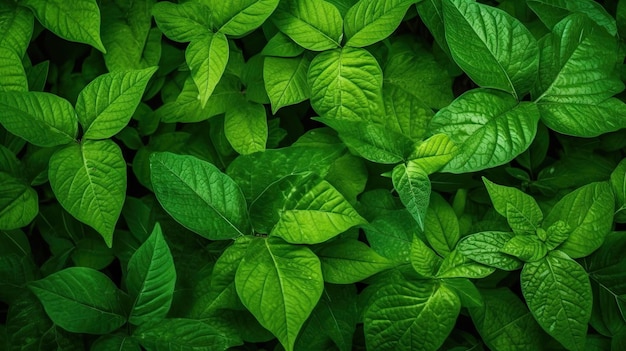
312,175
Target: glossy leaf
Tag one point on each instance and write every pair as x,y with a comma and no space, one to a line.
370,21
413,187
486,248
13,76
423,259
588,212
490,128
348,261
106,105
442,225
558,293
528,248
183,22
458,265
207,57
406,316
199,196
77,21
183,334
16,27
491,46
81,300
151,279
345,84
519,209
245,127
280,284
313,24
18,203
434,153
286,80
89,180
240,16
43,119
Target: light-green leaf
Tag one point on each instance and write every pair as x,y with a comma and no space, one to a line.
183,334
16,27
43,119
441,225
81,300
280,284
491,46
404,113
588,212
370,21
486,248
346,83
413,187
434,153
105,106
423,259
245,127
18,203
89,180
558,293
458,265
12,74
348,261
404,316
313,24
490,128
286,80
207,57
151,279
77,21
528,248
199,196
183,22
238,17
519,209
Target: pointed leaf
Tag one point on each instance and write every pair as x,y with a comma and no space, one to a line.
239,17
43,119
490,128
348,261
423,259
12,74
345,83
280,284
584,119
106,105
313,24
413,187
491,46
183,22
458,265
77,21
18,203
558,293
442,225
199,196
207,57
81,300
486,248
183,334
245,127
519,209
370,21
89,180
16,27
151,279
434,153
552,12
286,80
528,248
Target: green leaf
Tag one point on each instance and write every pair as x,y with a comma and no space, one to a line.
556,234
286,80
115,342
105,106
413,187
618,183
345,83
280,284
43,119
466,291
491,46
313,24
486,248
458,265
183,22
404,113
370,21
199,196
588,212
18,203
442,225
245,127
183,334
371,141
504,322
89,180
519,209
207,57
151,279
81,300
584,119
490,128
16,27
558,293
552,12
392,235
282,46
77,21
423,259
348,261
240,16
407,316
528,248
431,13
12,74
434,153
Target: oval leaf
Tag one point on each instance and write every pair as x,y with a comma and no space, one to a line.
486,248
413,186
207,57
12,74
16,27
182,22
238,17
349,261
286,80
520,209
245,127
18,203
370,21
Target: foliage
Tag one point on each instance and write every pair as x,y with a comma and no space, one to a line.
312,175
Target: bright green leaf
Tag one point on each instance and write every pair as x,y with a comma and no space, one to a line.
81,300
519,209
281,45
442,225
199,196
238,17
12,74
286,80
183,334
556,234
370,21
43,119
404,113
413,187
486,248
458,265
183,22
18,203
528,248
348,261
434,153
466,291
280,284
106,105
89,180
423,259
392,235
151,279
245,127
584,119
207,57
16,27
